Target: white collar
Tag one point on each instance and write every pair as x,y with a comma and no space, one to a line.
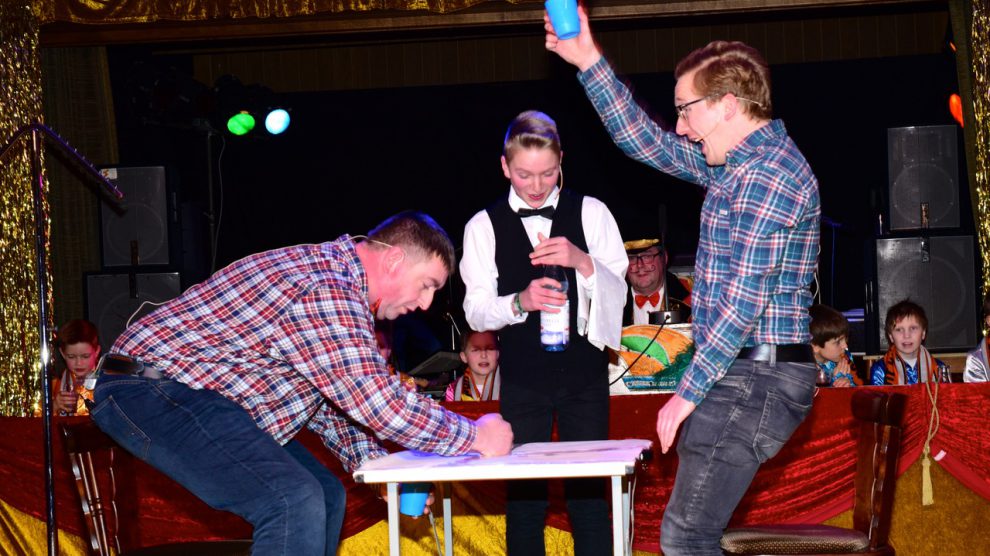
516,202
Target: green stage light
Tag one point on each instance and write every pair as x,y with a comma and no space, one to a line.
243,107
240,123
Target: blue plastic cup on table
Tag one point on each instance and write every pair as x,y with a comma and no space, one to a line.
564,17
412,498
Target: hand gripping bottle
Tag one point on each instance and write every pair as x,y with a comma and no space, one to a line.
555,328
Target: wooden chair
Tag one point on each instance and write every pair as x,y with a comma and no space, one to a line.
92,454
878,447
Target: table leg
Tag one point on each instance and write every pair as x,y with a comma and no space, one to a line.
448,526
626,515
393,519
618,517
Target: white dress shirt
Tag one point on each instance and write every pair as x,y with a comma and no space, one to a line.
601,296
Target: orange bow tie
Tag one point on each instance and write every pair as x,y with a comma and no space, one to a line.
641,300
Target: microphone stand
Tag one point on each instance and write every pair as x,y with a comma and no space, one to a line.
39,132
455,332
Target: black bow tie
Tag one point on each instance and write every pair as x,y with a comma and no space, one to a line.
545,212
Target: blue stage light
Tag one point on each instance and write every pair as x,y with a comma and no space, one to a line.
277,121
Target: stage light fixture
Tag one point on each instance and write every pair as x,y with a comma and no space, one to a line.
240,123
241,107
166,97
277,121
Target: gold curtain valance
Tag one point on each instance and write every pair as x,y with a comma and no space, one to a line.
147,11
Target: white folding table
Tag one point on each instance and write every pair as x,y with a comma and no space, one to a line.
540,460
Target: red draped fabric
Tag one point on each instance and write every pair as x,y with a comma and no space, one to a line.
809,481
962,443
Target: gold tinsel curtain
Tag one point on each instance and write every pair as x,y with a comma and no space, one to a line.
20,104
971,29
971,26
980,90
143,11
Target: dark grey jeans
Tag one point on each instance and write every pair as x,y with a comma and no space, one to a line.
742,422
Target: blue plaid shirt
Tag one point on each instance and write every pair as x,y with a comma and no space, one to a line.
758,245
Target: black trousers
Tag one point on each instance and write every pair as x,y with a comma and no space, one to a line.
581,414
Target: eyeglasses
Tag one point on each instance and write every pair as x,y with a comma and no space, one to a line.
643,259
682,109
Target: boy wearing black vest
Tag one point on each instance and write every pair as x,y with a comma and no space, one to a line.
505,247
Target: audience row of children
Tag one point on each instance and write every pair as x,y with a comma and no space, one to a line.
907,361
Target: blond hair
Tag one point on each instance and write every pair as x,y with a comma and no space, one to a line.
725,67
531,129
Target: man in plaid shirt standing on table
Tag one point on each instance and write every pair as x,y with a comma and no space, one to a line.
752,378
212,387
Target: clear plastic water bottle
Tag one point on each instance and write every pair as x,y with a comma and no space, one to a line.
555,328
67,384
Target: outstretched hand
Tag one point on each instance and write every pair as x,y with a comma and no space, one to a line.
669,419
582,51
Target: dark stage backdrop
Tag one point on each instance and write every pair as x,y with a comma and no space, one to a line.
352,158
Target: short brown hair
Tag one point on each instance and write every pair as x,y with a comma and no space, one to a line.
827,324
77,331
531,129
903,309
416,232
466,337
731,67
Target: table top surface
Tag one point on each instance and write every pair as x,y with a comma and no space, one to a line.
537,460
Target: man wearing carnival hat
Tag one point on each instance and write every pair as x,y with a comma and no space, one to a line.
652,288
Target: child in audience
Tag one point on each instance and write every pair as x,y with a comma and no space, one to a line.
907,361
79,343
977,361
480,382
829,335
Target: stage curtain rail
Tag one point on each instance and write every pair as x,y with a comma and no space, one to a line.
149,11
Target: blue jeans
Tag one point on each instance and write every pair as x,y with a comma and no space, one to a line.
211,446
742,422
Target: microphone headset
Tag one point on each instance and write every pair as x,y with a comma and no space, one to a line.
712,130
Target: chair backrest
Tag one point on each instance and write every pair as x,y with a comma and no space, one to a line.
880,415
91,453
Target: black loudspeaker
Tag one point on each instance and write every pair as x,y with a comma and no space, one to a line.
857,331
114,299
137,232
935,272
923,173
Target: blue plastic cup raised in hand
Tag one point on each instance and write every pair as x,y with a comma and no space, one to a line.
412,498
564,17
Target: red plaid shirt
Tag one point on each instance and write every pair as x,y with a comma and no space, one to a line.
289,336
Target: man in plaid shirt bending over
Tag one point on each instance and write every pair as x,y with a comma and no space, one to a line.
212,387
752,378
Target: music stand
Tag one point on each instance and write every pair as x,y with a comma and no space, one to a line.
440,362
